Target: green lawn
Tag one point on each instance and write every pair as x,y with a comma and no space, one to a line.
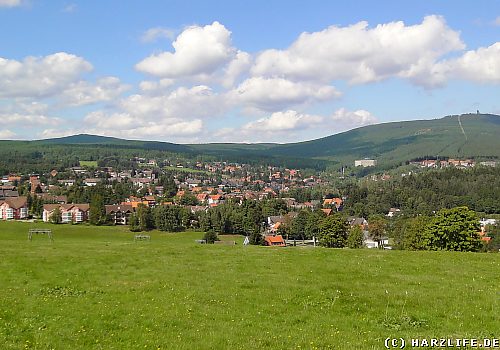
89,163
94,288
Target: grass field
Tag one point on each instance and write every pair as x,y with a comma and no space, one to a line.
94,288
89,163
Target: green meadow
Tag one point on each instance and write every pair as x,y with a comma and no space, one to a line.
89,163
95,288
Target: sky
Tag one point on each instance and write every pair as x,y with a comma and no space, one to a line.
231,71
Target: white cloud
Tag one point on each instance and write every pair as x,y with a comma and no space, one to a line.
151,86
52,133
28,119
481,65
6,134
165,129
22,106
154,34
10,3
284,121
236,68
40,76
196,102
126,125
497,21
348,119
292,126
84,93
101,120
197,50
177,114
273,94
360,54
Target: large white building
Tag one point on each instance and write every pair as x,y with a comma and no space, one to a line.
365,162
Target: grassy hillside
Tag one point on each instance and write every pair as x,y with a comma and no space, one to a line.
94,288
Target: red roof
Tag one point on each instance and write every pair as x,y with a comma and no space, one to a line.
277,241
327,211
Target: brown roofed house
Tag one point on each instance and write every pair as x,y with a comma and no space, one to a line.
14,208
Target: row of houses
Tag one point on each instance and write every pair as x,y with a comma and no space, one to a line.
457,163
78,213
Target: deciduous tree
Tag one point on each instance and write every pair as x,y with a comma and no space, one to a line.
333,232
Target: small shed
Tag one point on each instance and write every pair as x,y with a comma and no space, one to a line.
275,241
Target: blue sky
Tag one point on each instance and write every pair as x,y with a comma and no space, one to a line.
260,71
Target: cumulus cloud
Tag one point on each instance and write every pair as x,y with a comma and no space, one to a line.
28,120
273,94
349,119
196,102
236,68
22,106
52,133
151,86
176,114
497,21
10,3
40,76
104,121
481,65
135,127
6,134
84,92
284,121
154,34
197,50
360,54
292,125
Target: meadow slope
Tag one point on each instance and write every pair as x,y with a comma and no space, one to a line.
94,288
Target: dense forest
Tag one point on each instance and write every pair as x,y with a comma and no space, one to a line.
425,193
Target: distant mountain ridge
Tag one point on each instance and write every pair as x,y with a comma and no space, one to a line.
87,139
456,136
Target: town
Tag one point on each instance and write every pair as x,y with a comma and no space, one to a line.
108,196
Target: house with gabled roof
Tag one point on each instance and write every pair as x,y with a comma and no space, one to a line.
75,213
14,208
119,214
215,199
202,197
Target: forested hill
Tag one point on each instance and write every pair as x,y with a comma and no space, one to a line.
85,139
468,135
391,144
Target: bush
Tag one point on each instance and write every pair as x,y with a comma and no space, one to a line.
256,238
211,236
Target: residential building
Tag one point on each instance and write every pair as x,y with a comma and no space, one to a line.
14,208
119,214
365,162
75,213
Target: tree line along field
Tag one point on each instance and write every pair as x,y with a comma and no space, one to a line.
95,288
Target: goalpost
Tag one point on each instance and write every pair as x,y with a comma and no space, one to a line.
37,231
